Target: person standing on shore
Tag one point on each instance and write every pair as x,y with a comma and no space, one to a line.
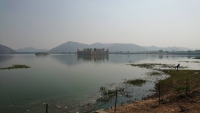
177,67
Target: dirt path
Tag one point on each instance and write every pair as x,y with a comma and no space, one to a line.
152,106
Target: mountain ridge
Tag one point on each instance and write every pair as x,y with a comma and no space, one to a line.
71,46
6,50
68,47
154,48
31,49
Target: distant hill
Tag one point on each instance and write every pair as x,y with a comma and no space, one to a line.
126,47
69,47
113,47
73,46
154,48
100,45
6,50
31,49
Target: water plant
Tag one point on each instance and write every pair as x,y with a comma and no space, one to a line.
154,73
152,65
102,89
146,65
106,94
136,82
168,66
16,67
109,93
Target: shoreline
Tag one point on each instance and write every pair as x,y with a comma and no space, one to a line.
173,95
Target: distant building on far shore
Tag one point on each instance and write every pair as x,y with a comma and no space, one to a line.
95,51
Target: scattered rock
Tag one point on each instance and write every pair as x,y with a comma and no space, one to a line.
58,106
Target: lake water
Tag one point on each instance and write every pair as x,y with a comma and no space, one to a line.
68,83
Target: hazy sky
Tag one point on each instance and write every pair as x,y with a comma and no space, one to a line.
49,23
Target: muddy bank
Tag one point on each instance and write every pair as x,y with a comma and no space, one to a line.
179,92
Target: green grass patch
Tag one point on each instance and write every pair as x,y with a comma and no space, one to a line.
177,81
196,58
15,67
180,89
190,61
136,82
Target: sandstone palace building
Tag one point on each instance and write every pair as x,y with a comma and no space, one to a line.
95,51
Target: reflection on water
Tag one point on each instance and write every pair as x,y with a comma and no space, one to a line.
160,56
4,58
71,81
93,57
